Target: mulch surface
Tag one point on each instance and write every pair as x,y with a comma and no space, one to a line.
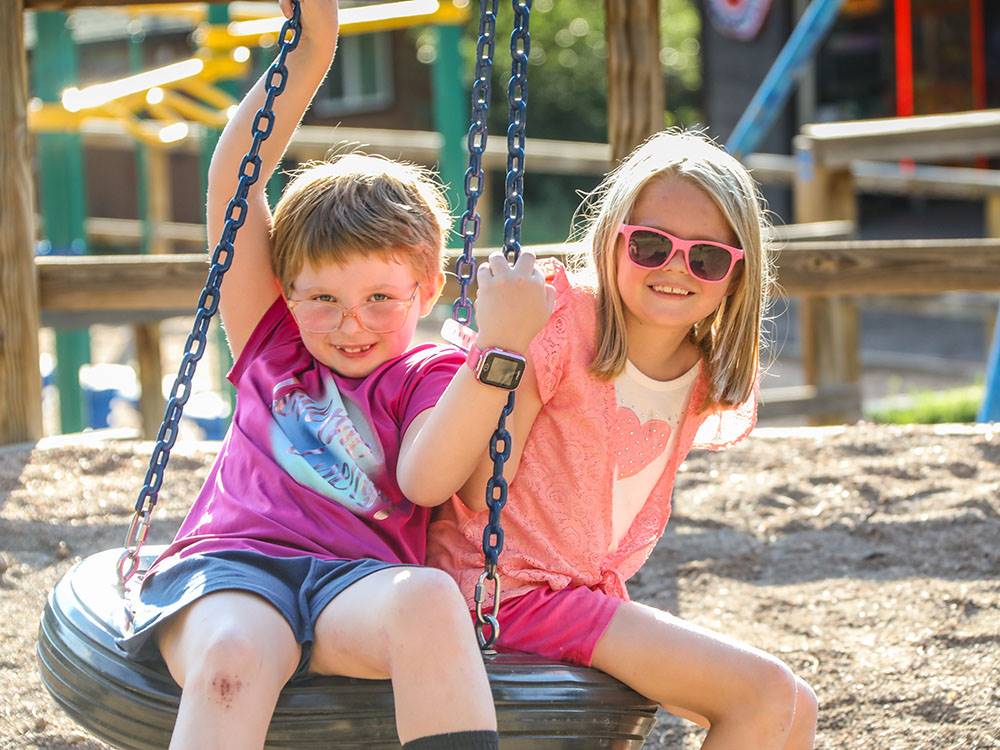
868,558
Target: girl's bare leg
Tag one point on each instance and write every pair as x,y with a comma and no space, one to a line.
232,652
411,625
746,697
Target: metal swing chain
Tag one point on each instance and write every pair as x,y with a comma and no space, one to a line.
465,266
208,303
500,443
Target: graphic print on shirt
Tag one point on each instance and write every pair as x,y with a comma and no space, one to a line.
316,440
638,443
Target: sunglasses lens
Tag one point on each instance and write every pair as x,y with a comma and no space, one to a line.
710,262
649,249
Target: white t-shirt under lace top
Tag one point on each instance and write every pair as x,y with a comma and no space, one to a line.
648,414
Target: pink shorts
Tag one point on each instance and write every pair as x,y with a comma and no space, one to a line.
562,625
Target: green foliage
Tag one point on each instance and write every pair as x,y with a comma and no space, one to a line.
932,407
568,92
568,77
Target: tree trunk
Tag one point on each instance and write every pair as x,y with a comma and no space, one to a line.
635,75
20,381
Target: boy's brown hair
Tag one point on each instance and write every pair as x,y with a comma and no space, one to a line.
359,204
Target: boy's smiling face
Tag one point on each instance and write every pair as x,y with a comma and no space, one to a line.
351,350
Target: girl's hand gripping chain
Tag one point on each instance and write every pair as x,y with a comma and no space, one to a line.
513,302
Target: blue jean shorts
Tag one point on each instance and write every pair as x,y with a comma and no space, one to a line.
298,587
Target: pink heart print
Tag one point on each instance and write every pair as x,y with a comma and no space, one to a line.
637,444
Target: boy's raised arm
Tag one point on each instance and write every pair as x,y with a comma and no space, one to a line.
249,287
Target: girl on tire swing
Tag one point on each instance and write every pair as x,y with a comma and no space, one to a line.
659,354
303,552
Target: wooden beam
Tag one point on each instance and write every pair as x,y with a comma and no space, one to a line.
813,230
121,283
129,285
69,4
926,180
580,158
318,141
927,137
808,400
635,73
20,380
127,233
881,267
890,178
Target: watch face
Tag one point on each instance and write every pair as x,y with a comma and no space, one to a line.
501,371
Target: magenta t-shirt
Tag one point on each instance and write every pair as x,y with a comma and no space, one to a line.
309,464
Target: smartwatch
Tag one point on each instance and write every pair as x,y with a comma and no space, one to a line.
496,367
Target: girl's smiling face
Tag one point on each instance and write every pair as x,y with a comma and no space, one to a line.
351,350
669,298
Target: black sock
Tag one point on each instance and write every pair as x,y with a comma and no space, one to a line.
482,740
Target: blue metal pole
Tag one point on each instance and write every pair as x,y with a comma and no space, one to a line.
773,92
990,410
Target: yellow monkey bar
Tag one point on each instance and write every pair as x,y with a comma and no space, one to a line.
183,91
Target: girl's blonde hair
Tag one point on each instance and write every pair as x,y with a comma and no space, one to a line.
359,204
730,338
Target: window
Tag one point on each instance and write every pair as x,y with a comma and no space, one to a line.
361,77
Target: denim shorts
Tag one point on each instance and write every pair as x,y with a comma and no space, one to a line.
298,587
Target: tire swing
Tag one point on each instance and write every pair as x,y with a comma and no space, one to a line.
131,705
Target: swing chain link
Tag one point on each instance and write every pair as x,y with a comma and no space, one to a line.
517,96
475,177
500,444
208,304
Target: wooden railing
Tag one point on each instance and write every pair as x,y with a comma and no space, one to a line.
825,273
123,289
826,188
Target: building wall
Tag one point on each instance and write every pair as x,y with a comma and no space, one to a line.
731,72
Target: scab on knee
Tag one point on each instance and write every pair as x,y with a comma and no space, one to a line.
226,689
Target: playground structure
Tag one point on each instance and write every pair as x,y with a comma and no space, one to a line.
157,110
823,261
823,265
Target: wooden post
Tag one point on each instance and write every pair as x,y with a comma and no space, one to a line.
147,335
20,379
635,73
992,215
829,326
158,207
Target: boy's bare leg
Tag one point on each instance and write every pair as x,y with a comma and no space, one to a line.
215,649
746,697
410,625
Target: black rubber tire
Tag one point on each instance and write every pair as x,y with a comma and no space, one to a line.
540,704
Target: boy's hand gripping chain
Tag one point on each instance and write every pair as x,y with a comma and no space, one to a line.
517,94
208,303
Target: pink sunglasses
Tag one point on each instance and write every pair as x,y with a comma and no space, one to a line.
706,260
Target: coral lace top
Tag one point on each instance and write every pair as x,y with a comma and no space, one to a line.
559,518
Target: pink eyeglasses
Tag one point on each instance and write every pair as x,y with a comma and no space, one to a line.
379,316
706,260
